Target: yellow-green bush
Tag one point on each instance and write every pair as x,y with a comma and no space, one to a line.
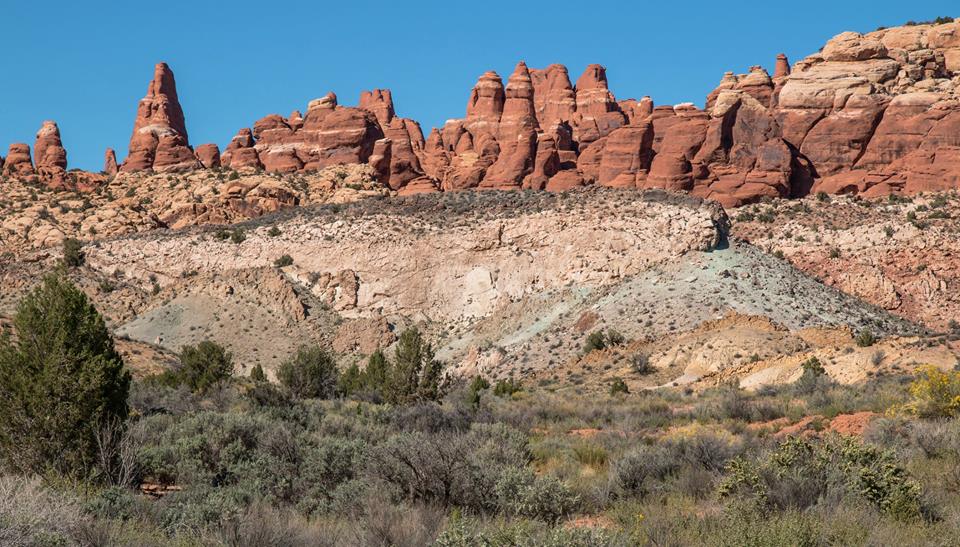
934,393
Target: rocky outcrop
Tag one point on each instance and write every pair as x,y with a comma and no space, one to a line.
159,140
18,162
110,162
869,113
209,156
49,155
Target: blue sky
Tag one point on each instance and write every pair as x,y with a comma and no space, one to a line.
86,64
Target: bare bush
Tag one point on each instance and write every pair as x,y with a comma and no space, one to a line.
31,514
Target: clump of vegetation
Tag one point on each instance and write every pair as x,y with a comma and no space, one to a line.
865,338
257,374
599,339
618,386
237,235
283,261
506,388
800,473
62,380
310,374
201,367
934,394
476,388
73,256
412,375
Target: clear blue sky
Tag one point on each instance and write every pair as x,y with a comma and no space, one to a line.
86,64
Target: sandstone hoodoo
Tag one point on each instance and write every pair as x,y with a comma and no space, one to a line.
159,140
49,155
18,162
110,162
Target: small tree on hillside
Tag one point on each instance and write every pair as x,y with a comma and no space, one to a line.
204,365
311,373
61,379
415,374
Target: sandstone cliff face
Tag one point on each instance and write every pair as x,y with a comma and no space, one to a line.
452,272
871,113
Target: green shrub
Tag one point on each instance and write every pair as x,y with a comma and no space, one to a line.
813,379
273,231
283,261
478,384
598,340
73,256
414,374
311,373
595,341
521,493
238,236
506,388
257,374
865,338
203,365
800,473
61,380
640,364
618,386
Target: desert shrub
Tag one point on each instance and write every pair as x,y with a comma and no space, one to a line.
646,468
260,524
283,261
311,373
800,473
429,417
32,514
640,363
257,374
521,493
478,385
330,475
273,231
599,339
264,394
865,338
813,379
934,393
461,532
448,467
238,236
202,366
618,386
935,439
385,523
506,388
73,255
415,374
61,380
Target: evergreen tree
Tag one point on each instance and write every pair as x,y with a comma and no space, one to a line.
311,373
61,380
415,374
204,365
257,374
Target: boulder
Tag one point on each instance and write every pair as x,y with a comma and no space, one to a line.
209,156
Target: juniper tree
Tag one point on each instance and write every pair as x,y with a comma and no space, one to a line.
61,379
